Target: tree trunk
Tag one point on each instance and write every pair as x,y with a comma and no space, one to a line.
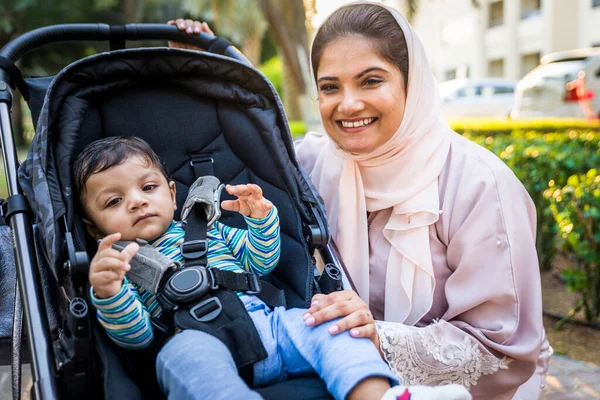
16,114
252,47
287,25
133,11
17,120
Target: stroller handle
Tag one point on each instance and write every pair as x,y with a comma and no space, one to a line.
31,40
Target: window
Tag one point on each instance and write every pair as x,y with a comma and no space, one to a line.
529,62
450,74
530,8
595,3
503,89
496,68
496,14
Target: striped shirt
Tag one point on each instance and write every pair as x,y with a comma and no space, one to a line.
126,316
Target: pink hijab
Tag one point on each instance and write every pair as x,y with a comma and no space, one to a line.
402,174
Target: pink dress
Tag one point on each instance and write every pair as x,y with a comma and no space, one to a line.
484,329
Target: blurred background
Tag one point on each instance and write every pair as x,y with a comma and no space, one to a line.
519,77
493,58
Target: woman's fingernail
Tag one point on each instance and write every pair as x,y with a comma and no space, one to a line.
310,321
333,329
354,332
314,303
307,315
189,29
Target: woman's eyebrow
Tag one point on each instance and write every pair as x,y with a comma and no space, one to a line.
358,76
366,71
328,78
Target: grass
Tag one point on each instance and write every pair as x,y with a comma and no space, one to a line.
21,154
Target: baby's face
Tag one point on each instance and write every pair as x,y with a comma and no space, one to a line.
131,198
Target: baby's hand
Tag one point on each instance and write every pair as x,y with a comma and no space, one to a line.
191,28
108,267
250,201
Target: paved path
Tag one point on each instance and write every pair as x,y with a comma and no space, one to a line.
570,379
567,379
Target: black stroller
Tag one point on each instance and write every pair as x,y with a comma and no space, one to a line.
203,113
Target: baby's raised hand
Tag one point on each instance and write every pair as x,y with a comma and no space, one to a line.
250,201
108,267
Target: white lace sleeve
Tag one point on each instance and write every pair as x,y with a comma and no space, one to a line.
434,356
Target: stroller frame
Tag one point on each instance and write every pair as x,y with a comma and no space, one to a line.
29,300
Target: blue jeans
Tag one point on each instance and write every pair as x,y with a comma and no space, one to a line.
196,365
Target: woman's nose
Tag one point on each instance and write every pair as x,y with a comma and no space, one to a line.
351,103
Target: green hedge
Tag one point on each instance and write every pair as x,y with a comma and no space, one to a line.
273,70
495,126
576,208
558,171
540,159
297,128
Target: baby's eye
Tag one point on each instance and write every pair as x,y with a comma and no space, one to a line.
113,202
149,187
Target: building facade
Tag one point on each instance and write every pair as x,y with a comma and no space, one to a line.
501,38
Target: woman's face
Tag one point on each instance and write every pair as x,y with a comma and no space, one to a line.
361,95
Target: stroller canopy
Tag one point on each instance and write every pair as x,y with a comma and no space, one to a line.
185,104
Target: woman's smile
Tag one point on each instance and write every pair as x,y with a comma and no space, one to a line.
356,124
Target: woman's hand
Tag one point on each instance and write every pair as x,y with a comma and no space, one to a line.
191,28
347,305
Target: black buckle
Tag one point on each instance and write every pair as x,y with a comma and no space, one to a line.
207,310
193,249
253,283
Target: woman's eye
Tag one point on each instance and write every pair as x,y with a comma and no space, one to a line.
113,202
147,188
372,81
328,88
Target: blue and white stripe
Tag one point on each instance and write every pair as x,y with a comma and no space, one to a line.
126,316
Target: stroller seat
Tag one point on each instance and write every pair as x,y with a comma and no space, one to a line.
203,114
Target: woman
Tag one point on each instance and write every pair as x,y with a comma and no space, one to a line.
437,234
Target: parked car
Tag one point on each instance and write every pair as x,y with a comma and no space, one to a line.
486,97
565,84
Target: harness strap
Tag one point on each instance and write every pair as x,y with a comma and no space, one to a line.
202,164
194,248
249,283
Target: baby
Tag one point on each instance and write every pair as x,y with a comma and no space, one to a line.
126,195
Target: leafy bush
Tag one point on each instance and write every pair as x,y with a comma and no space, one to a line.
576,209
539,159
297,128
273,70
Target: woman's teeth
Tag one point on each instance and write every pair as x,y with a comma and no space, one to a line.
356,124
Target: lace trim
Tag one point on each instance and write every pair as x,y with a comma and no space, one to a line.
457,362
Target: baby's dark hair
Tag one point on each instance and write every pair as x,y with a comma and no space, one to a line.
103,154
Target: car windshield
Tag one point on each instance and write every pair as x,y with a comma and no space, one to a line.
564,71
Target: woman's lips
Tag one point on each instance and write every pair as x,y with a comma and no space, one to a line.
356,124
